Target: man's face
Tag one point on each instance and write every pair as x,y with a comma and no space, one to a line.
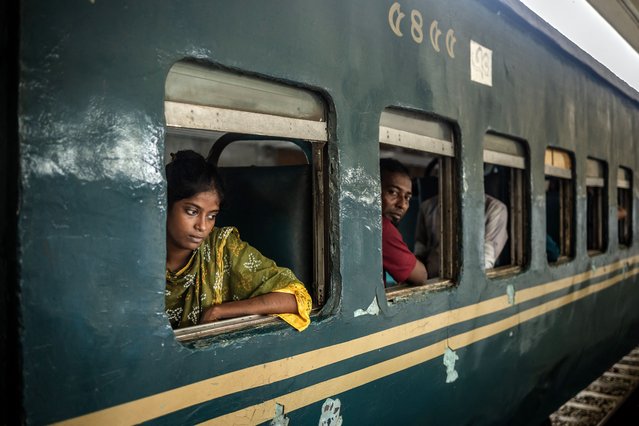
396,193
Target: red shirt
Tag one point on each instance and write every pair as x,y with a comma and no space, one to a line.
397,259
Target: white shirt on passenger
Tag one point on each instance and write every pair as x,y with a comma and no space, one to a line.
427,244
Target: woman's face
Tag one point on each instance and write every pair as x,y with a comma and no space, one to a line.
190,220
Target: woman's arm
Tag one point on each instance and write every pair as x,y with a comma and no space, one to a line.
271,303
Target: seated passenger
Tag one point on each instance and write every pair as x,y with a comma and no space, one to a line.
427,244
553,252
398,261
211,274
621,213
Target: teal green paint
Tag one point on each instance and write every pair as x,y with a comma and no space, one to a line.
92,202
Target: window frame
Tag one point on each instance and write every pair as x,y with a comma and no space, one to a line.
624,197
596,206
512,153
561,167
276,115
421,132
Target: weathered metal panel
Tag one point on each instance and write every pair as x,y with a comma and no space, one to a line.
94,337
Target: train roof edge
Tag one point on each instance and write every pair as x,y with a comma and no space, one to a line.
564,43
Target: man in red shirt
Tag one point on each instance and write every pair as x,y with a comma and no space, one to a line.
397,259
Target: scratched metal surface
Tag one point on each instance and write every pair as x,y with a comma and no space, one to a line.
92,207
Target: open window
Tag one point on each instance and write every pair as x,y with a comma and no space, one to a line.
624,206
425,146
506,209
597,206
560,205
269,143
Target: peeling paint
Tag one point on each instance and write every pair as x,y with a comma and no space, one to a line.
450,357
331,413
280,418
373,309
510,291
464,181
367,187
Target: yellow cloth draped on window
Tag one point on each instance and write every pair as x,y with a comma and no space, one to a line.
225,268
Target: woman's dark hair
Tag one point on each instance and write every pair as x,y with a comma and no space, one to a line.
188,174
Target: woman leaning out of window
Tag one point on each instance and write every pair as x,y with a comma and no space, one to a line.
210,273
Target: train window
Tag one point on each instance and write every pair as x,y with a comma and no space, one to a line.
597,210
560,205
268,141
506,209
624,206
429,227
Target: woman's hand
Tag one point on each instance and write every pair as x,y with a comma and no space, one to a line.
271,303
212,314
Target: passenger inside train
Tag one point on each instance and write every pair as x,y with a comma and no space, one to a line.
560,205
427,242
398,261
211,274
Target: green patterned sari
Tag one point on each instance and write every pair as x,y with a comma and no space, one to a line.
225,268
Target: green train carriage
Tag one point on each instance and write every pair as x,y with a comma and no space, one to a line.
104,91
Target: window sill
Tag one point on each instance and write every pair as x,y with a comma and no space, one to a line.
562,260
196,332
405,291
504,271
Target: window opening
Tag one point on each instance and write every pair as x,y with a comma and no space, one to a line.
269,143
560,205
425,146
597,211
506,209
624,206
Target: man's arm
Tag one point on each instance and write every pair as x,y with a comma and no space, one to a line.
397,259
418,275
496,232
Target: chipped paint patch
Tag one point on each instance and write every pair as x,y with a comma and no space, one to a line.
450,357
331,413
366,187
280,418
373,309
510,291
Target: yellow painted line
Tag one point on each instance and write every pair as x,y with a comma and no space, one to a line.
265,411
167,402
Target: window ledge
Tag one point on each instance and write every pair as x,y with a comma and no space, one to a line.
405,291
189,334
503,271
562,260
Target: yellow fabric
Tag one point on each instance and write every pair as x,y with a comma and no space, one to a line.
225,268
